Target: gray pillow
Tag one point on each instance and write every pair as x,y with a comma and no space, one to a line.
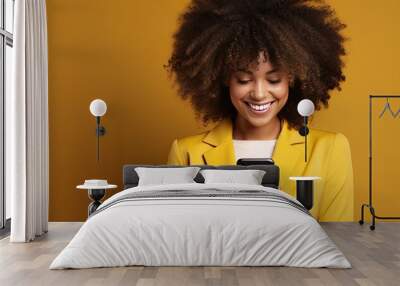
162,176
248,177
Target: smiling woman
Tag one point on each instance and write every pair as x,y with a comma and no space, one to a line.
258,95
246,65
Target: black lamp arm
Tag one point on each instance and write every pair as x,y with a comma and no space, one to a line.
100,131
303,131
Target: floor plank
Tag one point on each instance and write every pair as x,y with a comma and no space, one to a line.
375,257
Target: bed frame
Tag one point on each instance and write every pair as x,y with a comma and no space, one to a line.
270,179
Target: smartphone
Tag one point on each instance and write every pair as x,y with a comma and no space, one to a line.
255,161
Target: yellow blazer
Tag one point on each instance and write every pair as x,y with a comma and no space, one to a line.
329,157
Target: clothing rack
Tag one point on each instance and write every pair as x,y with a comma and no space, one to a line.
369,205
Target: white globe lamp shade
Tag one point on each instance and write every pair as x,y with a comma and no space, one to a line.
98,107
305,107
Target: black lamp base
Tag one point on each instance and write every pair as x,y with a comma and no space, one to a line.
95,195
305,193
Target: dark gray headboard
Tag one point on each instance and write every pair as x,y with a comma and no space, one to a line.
270,179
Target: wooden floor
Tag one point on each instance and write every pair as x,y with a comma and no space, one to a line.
375,257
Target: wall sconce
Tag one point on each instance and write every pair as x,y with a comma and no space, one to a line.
305,108
305,184
98,108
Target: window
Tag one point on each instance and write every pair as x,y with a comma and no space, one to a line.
6,57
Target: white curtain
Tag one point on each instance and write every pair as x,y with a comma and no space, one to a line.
27,124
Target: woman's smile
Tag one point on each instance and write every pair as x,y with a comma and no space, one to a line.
260,108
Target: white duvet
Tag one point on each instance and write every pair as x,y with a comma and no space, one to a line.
183,231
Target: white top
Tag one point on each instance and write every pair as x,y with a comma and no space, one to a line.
96,184
304,178
88,187
253,148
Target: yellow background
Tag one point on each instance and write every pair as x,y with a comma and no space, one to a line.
115,50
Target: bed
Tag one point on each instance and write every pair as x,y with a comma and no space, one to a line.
202,223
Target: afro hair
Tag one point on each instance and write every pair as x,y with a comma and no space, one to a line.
215,38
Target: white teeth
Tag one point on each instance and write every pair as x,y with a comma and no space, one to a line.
262,107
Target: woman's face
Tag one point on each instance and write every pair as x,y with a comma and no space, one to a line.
259,93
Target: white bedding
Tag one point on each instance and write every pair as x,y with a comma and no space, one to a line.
182,231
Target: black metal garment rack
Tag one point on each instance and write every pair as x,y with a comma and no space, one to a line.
369,205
